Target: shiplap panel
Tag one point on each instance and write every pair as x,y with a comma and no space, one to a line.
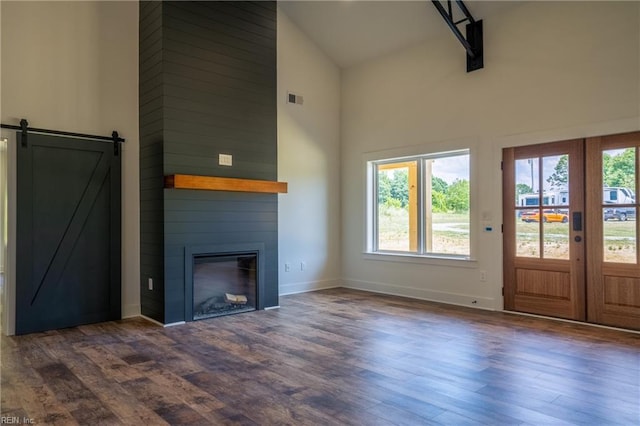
220,113
241,32
173,68
208,86
216,69
177,129
245,19
151,169
188,34
251,15
195,142
183,44
219,41
264,9
232,97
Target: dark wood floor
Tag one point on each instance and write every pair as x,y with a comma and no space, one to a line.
334,357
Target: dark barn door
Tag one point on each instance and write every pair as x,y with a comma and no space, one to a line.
68,242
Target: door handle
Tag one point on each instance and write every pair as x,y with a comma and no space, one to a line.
577,221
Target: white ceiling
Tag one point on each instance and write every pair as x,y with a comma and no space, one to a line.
354,31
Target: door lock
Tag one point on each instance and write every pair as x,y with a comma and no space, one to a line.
577,221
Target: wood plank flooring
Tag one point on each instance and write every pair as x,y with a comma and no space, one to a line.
335,357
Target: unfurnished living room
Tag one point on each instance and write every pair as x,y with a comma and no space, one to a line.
319,212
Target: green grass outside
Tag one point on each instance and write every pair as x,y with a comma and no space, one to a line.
451,235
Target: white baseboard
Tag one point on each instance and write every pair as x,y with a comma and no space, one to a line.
422,294
304,287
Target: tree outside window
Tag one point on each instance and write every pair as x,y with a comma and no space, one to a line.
421,205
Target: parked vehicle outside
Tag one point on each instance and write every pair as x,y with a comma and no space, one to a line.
618,195
621,213
547,216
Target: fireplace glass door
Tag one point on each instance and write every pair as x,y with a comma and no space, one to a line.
224,284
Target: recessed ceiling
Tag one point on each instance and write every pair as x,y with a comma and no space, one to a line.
351,32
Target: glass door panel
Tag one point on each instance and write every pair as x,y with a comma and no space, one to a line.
542,217
619,237
527,204
619,231
556,236
527,237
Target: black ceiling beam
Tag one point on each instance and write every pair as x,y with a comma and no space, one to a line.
473,40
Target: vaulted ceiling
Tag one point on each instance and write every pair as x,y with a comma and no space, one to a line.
351,32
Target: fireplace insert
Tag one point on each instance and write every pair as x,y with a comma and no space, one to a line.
224,284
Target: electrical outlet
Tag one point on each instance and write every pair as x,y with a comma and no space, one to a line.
483,276
287,267
303,266
150,282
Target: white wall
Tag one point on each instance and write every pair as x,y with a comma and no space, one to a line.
309,159
3,195
74,66
3,207
553,70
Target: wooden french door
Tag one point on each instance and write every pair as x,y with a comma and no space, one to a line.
613,260
544,242
570,230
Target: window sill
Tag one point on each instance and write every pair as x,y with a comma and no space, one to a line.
436,260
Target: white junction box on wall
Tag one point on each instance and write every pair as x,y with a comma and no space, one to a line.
225,159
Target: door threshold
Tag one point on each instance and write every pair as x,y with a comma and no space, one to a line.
608,327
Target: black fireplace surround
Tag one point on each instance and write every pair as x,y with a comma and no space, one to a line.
208,85
223,279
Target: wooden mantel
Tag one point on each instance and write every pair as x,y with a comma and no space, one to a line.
212,183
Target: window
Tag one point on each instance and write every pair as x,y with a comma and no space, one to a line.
420,205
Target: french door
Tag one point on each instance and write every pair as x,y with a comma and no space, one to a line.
570,230
544,242
613,262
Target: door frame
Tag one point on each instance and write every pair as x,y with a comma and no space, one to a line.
9,291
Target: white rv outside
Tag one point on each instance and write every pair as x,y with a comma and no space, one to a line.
610,195
549,198
618,195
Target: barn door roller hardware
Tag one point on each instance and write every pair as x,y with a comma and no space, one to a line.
24,127
473,42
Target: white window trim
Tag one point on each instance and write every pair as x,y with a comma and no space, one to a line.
369,160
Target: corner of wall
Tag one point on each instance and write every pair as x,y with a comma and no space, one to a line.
309,159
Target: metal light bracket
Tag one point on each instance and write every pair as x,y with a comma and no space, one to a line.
473,40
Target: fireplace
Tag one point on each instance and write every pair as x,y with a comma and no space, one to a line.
224,284
223,279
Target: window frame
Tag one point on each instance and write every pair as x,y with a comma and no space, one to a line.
372,229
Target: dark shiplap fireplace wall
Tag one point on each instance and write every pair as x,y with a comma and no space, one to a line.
207,87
